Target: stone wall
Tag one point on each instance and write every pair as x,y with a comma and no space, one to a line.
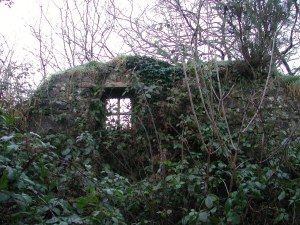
63,102
72,101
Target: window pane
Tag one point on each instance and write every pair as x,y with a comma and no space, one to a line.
125,121
112,121
112,105
125,105
118,113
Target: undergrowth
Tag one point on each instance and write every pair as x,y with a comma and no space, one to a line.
159,171
44,184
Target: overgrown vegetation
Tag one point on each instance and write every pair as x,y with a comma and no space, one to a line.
177,165
213,137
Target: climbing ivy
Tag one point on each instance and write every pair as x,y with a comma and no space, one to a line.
157,172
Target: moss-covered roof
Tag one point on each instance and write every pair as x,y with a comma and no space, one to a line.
149,70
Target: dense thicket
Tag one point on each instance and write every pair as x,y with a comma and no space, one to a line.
211,142
162,173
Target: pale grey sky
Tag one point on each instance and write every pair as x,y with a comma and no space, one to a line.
16,21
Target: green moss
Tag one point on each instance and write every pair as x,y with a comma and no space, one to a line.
291,79
151,70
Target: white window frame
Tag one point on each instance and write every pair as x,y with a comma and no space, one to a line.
119,123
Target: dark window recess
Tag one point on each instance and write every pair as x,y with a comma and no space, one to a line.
119,112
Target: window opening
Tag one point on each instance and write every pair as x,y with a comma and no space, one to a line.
118,113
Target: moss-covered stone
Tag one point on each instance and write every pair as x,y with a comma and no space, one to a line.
76,90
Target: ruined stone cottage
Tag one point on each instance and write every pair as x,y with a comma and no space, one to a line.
100,95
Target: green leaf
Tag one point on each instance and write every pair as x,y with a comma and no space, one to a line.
209,201
63,223
281,196
234,218
203,216
283,216
12,147
269,173
228,205
85,200
23,199
115,220
4,182
4,197
52,220
213,210
66,151
169,178
74,219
